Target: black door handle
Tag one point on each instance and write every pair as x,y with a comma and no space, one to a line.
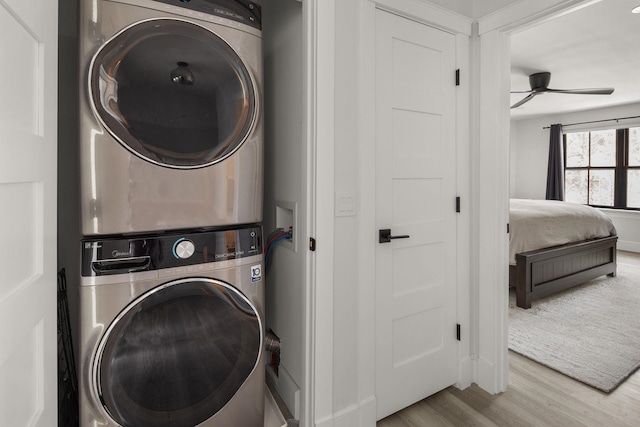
384,236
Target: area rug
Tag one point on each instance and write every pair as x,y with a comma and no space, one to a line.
590,333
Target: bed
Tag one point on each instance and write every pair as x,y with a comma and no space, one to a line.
557,245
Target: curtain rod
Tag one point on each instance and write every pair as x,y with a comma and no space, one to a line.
596,121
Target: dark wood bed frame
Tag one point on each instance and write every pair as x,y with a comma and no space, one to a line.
545,271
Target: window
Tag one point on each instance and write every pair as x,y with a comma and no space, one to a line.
602,168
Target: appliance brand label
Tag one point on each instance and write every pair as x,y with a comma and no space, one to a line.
118,254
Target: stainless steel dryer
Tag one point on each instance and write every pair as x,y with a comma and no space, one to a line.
171,330
170,115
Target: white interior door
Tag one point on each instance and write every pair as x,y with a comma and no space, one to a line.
416,351
28,147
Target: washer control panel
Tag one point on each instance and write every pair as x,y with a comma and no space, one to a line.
121,255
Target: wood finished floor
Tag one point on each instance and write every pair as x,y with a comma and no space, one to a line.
536,396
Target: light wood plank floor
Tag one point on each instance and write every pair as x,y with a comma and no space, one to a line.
536,396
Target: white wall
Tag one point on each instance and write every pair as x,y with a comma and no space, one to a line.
285,172
529,154
628,226
346,158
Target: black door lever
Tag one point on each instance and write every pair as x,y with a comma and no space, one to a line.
384,236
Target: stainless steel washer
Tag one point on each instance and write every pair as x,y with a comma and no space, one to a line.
171,330
170,130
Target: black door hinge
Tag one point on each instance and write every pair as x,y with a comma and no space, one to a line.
458,331
458,77
458,204
507,228
312,244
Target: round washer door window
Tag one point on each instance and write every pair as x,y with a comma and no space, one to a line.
178,354
173,93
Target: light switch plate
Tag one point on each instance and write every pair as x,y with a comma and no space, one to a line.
346,203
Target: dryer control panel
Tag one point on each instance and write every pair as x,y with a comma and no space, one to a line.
246,11
122,255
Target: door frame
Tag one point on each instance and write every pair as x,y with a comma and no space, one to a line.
461,28
318,27
491,128
485,54
319,44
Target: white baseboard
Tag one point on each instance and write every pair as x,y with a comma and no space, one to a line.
287,389
327,422
628,245
347,417
486,376
362,414
368,414
465,373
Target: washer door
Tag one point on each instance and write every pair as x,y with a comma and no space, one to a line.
178,354
173,93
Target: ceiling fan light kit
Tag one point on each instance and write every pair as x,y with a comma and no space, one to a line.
539,83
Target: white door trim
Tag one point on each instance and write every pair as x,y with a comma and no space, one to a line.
319,63
491,177
427,13
367,223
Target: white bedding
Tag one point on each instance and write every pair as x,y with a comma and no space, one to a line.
537,224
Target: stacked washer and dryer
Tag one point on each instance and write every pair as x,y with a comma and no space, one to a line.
171,296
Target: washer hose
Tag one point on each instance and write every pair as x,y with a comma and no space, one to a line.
272,342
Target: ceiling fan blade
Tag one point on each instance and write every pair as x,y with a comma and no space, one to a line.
525,99
520,91
595,91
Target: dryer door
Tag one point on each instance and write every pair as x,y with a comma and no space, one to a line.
177,354
173,93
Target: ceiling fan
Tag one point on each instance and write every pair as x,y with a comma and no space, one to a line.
539,83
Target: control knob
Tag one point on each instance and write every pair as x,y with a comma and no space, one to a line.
183,248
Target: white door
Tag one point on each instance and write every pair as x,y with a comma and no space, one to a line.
28,147
416,351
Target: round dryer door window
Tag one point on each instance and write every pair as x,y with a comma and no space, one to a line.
173,93
178,354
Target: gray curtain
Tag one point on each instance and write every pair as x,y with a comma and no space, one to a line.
555,170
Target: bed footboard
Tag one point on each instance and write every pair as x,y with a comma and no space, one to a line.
546,271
